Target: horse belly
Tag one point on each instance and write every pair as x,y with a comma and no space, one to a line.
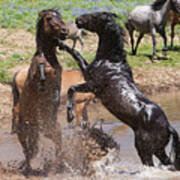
140,18
122,105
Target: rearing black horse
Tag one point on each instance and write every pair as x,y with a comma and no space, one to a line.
110,78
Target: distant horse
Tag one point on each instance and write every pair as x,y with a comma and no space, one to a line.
110,78
149,19
75,34
174,18
39,100
69,78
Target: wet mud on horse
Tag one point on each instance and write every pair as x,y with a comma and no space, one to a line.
110,78
39,101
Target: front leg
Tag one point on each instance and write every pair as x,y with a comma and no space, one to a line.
82,63
153,34
83,88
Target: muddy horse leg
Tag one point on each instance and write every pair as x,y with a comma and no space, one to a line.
83,88
144,151
28,139
162,156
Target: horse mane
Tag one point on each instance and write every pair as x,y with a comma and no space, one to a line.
157,4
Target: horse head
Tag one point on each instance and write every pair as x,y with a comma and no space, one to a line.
95,22
52,23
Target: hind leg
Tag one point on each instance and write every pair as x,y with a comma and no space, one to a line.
138,41
162,156
144,151
153,34
15,118
172,35
132,41
163,34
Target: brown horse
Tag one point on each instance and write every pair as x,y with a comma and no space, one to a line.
69,78
39,100
174,19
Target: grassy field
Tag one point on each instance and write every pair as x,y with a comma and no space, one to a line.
17,15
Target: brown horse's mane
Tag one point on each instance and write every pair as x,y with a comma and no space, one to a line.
157,4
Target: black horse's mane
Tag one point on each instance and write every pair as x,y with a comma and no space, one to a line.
157,4
116,33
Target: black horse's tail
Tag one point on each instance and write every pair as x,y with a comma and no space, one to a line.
176,147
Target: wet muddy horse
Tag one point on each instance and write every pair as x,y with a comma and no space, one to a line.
110,78
39,101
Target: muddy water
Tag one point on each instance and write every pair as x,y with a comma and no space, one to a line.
129,165
126,164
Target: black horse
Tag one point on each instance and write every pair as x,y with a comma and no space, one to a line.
110,78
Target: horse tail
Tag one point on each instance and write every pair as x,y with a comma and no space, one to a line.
176,147
15,91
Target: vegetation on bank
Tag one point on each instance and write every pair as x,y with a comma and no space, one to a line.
22,14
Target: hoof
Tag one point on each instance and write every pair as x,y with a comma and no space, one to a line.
154,57
133,53
70,115
164,53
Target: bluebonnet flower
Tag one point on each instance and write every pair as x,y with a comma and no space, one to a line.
124,12
12,6
21,9
109,8
74,13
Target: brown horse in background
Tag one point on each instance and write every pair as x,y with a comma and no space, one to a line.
174,19
69,78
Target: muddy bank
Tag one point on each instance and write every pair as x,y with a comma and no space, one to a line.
150,80
153,80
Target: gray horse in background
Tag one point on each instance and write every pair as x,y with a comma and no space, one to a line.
149,19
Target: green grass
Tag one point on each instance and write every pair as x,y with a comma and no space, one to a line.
23,14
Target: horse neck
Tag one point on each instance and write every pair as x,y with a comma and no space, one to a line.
46,45
110,46
165,9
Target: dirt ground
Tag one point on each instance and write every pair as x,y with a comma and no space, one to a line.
150,80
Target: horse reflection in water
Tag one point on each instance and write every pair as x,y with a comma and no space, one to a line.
110,78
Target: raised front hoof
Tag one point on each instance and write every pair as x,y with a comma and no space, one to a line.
70,115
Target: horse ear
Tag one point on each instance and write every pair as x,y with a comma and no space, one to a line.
114,15
42,13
